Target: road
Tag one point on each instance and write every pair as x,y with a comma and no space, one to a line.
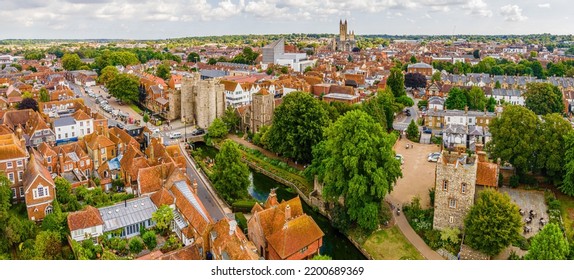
402,121
214,206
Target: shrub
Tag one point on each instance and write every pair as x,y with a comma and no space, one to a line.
171,243
522,243
432,238
432,192
514,181
136,245
150,239
241,221
528,180
385,214
243,205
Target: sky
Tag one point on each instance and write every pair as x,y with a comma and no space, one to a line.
161,19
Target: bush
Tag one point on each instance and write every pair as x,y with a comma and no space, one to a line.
528,180
171,243
241,221
513,256
243,205
432,238
136,245
150,240
521,243
340,218
432,192
385,214
514,181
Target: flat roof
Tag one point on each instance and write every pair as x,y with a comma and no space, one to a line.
127,213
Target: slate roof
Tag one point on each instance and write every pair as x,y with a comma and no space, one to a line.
65,121
127,213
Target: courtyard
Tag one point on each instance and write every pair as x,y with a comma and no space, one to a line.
418,173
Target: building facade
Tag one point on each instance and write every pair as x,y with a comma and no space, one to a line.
455,189
346,40
202,101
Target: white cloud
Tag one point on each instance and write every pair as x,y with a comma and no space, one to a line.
544,5
478,7
512,13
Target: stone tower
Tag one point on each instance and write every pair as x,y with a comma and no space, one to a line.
455,189
262,107
202,101
346,40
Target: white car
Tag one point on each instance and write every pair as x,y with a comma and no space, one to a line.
433,157
175,135
155,131
400,158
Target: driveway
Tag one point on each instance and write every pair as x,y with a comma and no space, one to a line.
418,173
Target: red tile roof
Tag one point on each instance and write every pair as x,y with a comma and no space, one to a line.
87,218
487,174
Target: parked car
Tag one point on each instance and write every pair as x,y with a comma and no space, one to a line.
400,158
408,112
433,157
198,131
427,130
175,135
155,131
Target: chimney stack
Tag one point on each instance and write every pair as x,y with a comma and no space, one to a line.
194,186
287,213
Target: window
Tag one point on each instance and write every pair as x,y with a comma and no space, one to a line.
20,173
463,188
59,129
59,136
20,163
14,193
303,249
50,169
81,123
103,151
451,219
49,210
49,159
9,165
82,131
66,135
448,119
88,130
11,177
40,192
487,121
452,203
21,191
81,163
73,134
445,185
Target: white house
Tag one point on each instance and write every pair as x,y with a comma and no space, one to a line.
239,94
69,128
511,96
86,224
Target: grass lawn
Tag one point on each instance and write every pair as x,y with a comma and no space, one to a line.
567,209
136,108
391,244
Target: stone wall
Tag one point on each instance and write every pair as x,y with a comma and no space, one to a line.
174,97
455,173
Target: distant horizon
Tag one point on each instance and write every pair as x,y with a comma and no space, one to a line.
159,20
276,34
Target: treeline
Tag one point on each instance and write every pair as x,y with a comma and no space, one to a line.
494,66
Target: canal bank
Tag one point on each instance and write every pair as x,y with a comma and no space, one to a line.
335,244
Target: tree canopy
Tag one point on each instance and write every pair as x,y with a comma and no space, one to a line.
415,80
28,103
71,61
515,137
298,125
162,218
125,88
230,174
162,71
476,99
193,57
413,132
567,186
44,96
550,154
359,165
217,129
456,99
548,244
543,98
492,223
396,82
108,74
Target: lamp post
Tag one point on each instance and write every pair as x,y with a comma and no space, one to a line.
184,128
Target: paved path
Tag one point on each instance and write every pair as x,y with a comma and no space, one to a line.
213,204
267,153
412,236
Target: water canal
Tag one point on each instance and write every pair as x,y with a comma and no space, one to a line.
335,244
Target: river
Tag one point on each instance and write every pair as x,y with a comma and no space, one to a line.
335,244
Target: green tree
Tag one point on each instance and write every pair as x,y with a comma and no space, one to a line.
162,71
359,166
548,244
456,99
492,223
28,103
543,98
162,218
150,239
108,74
231,119
71,61
136,245
298,125
5,198
537,70
436,76
476,99
413,131
396,82
212,61
550,155
376,110
515,137
476,54
63,190
320,257
413,59
125,87
567,186
497,85
193,57
18,230
491,104
230,174
217,129
48,245
145,118
44,95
